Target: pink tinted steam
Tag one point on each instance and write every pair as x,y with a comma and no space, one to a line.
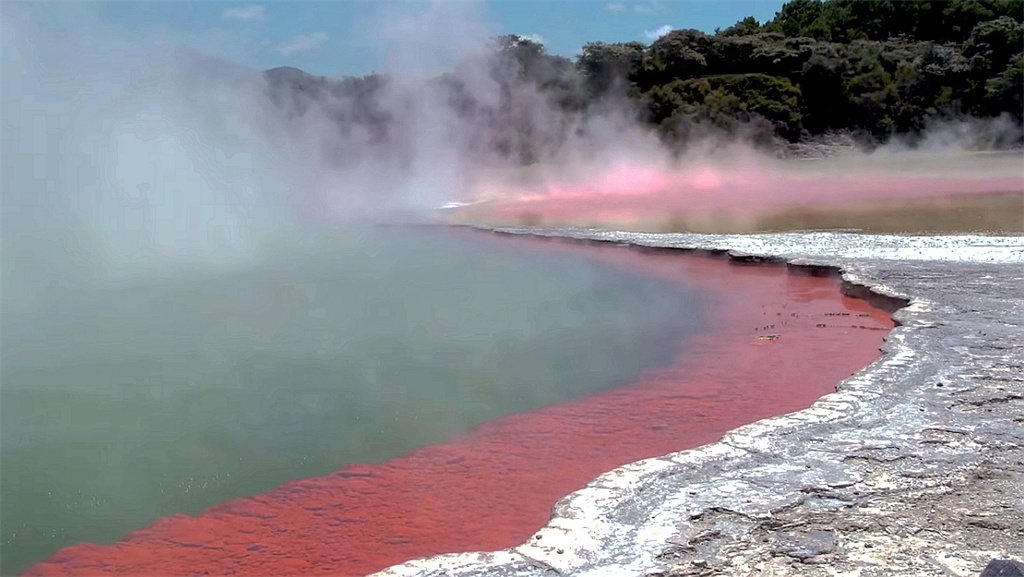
630,191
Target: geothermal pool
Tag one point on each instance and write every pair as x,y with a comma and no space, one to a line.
597,356
128,400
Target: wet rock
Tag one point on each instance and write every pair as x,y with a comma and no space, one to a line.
804,545
1003,568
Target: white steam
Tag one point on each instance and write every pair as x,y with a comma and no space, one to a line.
125,157
150,154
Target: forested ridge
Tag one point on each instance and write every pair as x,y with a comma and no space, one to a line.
869,69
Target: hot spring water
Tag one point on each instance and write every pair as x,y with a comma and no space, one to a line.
181,326
127,402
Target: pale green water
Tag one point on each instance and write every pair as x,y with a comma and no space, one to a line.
125,402
178,328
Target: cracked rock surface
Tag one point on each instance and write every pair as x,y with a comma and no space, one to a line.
915,466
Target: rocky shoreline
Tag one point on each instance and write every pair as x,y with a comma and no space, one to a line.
915,466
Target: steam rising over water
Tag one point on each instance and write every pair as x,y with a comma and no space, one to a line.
182,325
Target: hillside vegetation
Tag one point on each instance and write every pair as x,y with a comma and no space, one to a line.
870,70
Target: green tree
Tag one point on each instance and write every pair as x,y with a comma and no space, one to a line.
961,16
796,16
745,27
825,100
678,54
607,66
1003,92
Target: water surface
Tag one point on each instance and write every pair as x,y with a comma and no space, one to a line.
156,394
775,343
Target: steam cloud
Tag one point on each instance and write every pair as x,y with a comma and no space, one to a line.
130,156
445,123
122,120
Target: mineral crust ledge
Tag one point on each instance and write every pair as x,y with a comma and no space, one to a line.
915,466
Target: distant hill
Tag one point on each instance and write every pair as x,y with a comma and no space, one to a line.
871,70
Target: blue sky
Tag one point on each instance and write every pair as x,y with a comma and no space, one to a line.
358,37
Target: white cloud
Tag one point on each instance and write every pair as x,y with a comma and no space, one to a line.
301,43
658,32
534,38
652,7
248,13
615,7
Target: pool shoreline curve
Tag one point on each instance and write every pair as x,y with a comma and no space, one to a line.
894,474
